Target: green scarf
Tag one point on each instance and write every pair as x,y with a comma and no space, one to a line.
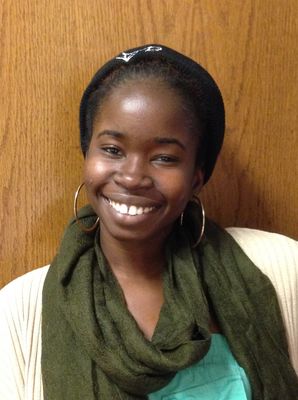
92,347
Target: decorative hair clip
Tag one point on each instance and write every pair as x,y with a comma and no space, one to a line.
128,56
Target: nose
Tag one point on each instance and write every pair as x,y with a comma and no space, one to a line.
133,174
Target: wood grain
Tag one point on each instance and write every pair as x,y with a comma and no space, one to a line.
49,51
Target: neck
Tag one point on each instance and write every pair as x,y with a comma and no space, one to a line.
134,260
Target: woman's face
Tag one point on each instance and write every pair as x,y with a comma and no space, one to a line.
140,170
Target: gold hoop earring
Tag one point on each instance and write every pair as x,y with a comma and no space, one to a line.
75,210
181,218
198,201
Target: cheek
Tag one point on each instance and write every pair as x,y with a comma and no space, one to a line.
94,173
177,187
88,173
94,170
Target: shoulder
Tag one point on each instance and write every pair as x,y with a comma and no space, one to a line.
22,292
276,256
258,241
20,304
18,297
20,332
32,279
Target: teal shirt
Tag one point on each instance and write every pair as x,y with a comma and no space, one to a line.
217,376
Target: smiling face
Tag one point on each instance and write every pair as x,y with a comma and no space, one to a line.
140,169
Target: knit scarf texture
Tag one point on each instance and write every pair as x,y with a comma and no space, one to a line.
93,349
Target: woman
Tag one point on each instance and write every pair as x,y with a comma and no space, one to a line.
145,299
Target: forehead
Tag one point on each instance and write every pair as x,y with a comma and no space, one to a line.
144,99
144,112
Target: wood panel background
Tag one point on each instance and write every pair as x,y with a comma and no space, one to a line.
49,51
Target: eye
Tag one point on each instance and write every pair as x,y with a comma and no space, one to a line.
112,150
166,159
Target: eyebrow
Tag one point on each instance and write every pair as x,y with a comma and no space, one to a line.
108,132
157,139
167,140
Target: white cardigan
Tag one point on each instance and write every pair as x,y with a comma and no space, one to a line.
20,311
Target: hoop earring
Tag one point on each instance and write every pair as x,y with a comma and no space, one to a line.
75,210
198,201
181,218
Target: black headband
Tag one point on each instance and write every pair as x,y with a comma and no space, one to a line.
209,94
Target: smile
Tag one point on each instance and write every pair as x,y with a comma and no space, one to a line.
130,209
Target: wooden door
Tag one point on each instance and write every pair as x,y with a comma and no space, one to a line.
49,51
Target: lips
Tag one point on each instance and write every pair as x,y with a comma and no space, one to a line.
130,210
133,206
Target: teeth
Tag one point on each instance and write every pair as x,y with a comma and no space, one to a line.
123,209
130,210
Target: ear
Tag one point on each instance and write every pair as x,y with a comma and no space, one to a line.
198,180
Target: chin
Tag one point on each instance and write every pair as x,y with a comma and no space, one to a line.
135,234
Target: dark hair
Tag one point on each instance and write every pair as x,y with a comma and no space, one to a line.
201,97
160,70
